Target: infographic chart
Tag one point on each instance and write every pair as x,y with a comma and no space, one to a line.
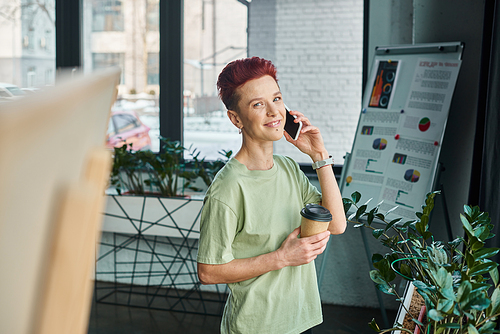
401,125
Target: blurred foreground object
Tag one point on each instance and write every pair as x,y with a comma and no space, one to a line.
54,170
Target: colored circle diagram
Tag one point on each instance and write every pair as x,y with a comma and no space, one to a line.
412,175
379,144
424,124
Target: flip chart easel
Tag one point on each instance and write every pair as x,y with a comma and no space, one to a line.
398,139
394,158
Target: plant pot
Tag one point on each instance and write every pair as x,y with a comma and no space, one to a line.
153,215
148,256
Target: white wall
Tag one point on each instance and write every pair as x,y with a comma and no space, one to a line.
317,48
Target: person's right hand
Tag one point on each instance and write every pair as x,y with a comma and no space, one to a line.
295,252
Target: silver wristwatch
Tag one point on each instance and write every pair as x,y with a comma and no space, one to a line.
319,164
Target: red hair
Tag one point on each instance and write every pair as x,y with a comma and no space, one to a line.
237,73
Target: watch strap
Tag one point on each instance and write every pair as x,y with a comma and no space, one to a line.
322,163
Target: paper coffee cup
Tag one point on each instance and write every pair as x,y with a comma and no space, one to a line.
315,219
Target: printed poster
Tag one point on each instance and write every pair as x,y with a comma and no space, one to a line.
396,150
383,84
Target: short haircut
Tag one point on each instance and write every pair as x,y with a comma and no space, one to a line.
237,73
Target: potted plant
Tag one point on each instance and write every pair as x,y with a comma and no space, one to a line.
163,174
144,172
457,281
152,229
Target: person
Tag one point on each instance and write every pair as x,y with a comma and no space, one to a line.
250,220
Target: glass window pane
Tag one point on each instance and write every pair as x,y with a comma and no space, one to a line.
215,32
107,15
153,14
27,46
125,34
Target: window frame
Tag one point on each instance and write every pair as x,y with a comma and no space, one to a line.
69,50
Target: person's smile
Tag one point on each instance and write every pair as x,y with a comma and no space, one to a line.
273,124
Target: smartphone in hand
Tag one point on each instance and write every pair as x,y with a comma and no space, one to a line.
292,128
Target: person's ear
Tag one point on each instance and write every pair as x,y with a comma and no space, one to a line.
235,119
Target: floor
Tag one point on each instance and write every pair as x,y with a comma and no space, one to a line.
113,319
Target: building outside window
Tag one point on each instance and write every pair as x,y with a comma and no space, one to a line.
153,15
153,69
104,60
27,42
215,33
107,15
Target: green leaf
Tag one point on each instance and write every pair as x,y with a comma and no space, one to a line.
380,216
358,225
449,325
480,286
495,302
482,268
409,222
438,255
421,227
472,329
385,288
494,276
417,322
485,253
488,327
390,210
385,269
468,210
370,217
421,286
481,304
467,226
469,259
356,196
445,305
394,221
435,315
463,292
445,282
377,233
376,258
360,211
373,325
406,270
376,277
347,205
427,235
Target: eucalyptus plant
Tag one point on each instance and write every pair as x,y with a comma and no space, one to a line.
457,280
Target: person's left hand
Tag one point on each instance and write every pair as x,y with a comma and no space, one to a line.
310,141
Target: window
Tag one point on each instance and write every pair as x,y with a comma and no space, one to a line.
125,34
153,68
107,15
27,32
214,34
153,15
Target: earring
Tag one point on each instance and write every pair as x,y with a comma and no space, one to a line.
239,131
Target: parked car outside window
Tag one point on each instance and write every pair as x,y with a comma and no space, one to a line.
125,126
10,91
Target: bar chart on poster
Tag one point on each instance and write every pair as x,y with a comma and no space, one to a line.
405,107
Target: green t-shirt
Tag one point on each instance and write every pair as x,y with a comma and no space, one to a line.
249,213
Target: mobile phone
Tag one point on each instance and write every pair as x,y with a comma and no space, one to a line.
292,128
